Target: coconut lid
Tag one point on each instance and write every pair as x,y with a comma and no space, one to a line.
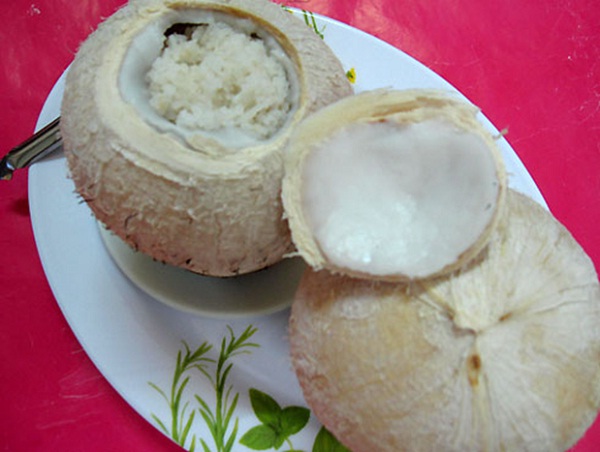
501,355
393,185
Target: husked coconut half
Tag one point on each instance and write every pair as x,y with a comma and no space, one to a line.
503,355
174,118
393,185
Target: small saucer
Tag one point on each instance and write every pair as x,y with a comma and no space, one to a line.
259,293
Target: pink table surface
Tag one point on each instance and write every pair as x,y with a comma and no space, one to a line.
532,66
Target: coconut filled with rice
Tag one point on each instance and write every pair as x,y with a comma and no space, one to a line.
224,82
174,120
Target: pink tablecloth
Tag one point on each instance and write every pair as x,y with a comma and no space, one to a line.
532,66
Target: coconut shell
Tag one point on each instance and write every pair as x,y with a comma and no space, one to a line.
200,206
400,108
503,355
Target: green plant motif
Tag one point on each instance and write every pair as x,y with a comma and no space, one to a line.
326,442
218,421
309,19
277,424
181,421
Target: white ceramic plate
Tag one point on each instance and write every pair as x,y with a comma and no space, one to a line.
137,342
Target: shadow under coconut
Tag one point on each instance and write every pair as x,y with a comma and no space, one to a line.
259,293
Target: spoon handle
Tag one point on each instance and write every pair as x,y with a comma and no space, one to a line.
42,143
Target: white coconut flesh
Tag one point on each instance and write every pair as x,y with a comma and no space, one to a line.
503,355
199,73
384,198
393,197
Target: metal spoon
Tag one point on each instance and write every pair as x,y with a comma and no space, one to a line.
42,143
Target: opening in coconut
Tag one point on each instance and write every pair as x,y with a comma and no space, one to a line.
393,197
198,74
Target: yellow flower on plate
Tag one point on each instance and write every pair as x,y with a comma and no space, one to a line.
351,75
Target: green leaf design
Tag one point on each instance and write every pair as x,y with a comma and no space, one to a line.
266,409
279,440
181,420
205,447
218,420
309,19
294,419
261,437
277,424
326,442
